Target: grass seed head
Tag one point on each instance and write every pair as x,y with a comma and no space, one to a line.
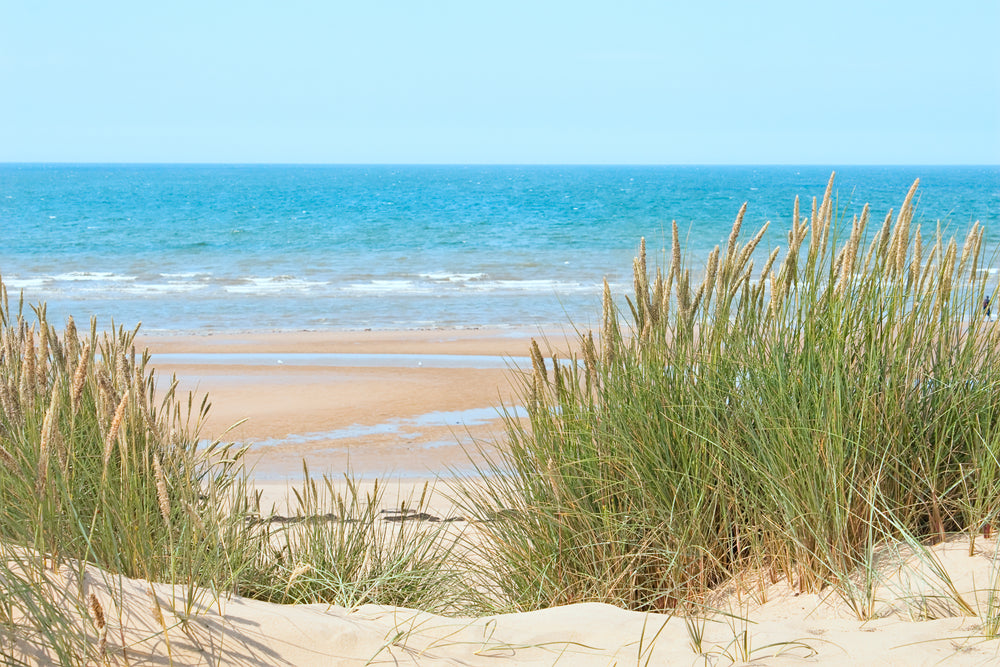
97,616
298,571
46,441
608,327
916,258
28,372
71,340
161,489
80,378
116,422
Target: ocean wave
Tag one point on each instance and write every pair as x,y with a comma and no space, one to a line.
454,277
14,282
184,275
88,284
150,289
91,276
392,286
546,286
272,284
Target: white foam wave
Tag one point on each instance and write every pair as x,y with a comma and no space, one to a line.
454,277
91,276
546,286
185,275
272,284
13,282
397,286
161,288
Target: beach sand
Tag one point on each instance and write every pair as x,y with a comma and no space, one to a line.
389,404
369,414
914,625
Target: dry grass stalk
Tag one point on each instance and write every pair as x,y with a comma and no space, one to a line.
42,366
729,264
977,245
826,214
708,285
72,341
734,234
538,362
539,375
967,248
751,246
298,571
116,422
851,250
27,384
762,281
641,282
684,297
97,616
590,360
80,378
883,239
607,327
551,477
659,287
916,259
161,490
48,426
107,393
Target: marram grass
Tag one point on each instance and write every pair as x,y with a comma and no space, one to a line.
779,420
98,468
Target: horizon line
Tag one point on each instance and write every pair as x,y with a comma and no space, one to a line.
488,164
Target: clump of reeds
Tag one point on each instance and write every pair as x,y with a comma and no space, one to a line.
339,546
94,468
88,452
775,420
101,464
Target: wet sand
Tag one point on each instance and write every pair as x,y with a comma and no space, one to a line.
408,404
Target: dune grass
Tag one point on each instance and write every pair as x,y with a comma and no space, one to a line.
102,464
780,420
787,421
341,548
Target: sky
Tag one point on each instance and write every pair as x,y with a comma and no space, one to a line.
473,81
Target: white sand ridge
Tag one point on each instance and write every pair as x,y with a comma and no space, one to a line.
917,619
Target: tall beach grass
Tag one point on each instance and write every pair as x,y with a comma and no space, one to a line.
103,469
781,420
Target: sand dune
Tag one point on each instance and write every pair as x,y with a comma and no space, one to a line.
915,623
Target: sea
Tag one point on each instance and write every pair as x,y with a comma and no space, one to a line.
228,248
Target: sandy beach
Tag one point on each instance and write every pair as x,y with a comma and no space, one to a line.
403,404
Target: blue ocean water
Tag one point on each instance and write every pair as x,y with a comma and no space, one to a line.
216,247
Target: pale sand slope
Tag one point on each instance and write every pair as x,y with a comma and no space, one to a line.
787,629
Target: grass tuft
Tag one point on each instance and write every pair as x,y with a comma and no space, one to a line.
788,420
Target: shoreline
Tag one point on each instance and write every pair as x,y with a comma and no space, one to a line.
358,402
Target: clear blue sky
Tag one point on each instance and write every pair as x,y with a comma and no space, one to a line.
409,81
